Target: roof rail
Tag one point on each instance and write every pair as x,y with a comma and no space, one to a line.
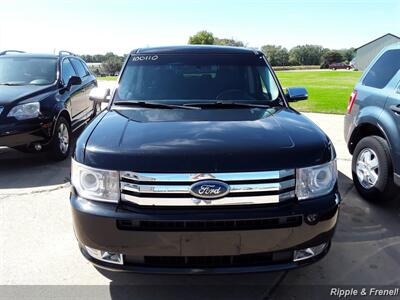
60,53
8,51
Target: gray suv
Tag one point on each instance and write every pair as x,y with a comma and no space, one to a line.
372,128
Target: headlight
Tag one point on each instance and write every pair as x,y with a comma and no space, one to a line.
316,181
25,111
95,184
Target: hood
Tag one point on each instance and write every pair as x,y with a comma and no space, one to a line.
10,94
208,140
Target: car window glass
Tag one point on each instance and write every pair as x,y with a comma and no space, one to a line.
67,70
79,67
86,68
197,77
383,70
28,70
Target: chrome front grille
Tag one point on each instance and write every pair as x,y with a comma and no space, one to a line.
246,188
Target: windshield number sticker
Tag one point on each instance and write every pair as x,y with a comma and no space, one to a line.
145,58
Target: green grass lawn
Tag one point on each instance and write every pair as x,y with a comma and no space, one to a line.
328,91
108,78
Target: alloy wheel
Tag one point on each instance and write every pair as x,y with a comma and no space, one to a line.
367,168
63,138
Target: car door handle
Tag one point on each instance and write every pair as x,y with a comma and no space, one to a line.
395,108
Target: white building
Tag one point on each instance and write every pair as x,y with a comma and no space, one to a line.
366,53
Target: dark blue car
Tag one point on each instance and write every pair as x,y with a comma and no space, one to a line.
43,99
372,128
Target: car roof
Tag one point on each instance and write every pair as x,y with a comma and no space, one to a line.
36,55
195,49
33,55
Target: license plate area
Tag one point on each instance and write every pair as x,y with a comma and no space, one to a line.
210,244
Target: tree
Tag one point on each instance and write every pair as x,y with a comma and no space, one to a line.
112,65
109,55
98,58
348,54
202,38
96,70
306,55
276,55
228,42
330,57
207,38
87,58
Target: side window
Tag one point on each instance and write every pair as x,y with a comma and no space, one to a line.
86,68
67,70
79,67
383,70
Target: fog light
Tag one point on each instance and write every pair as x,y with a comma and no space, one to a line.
307,253
312,219
107,256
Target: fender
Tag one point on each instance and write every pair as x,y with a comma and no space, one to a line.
80,146
367,116
387,135
392,136
58,109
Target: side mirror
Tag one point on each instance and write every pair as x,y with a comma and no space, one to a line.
74,80
100,94
294,94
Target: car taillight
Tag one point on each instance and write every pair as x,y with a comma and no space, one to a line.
352,99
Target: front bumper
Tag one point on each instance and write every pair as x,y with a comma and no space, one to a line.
247,239
24,133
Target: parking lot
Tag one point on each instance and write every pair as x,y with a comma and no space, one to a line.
38,246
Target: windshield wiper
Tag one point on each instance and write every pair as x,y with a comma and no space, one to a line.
226,103
154,104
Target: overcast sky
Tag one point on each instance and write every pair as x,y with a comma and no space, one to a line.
89,27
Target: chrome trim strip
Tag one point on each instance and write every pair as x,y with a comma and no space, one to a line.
185,189
156,189
187,177
287,195
201,202
185,180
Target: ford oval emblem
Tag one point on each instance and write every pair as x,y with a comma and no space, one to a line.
209,189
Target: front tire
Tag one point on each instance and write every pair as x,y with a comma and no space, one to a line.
372,169
60,145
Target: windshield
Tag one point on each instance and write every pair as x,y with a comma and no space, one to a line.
27,70
194,77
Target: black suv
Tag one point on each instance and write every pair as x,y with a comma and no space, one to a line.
199,165
372,128
43,98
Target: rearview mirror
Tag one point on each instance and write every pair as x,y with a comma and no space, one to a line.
294,94
74,80
100,94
